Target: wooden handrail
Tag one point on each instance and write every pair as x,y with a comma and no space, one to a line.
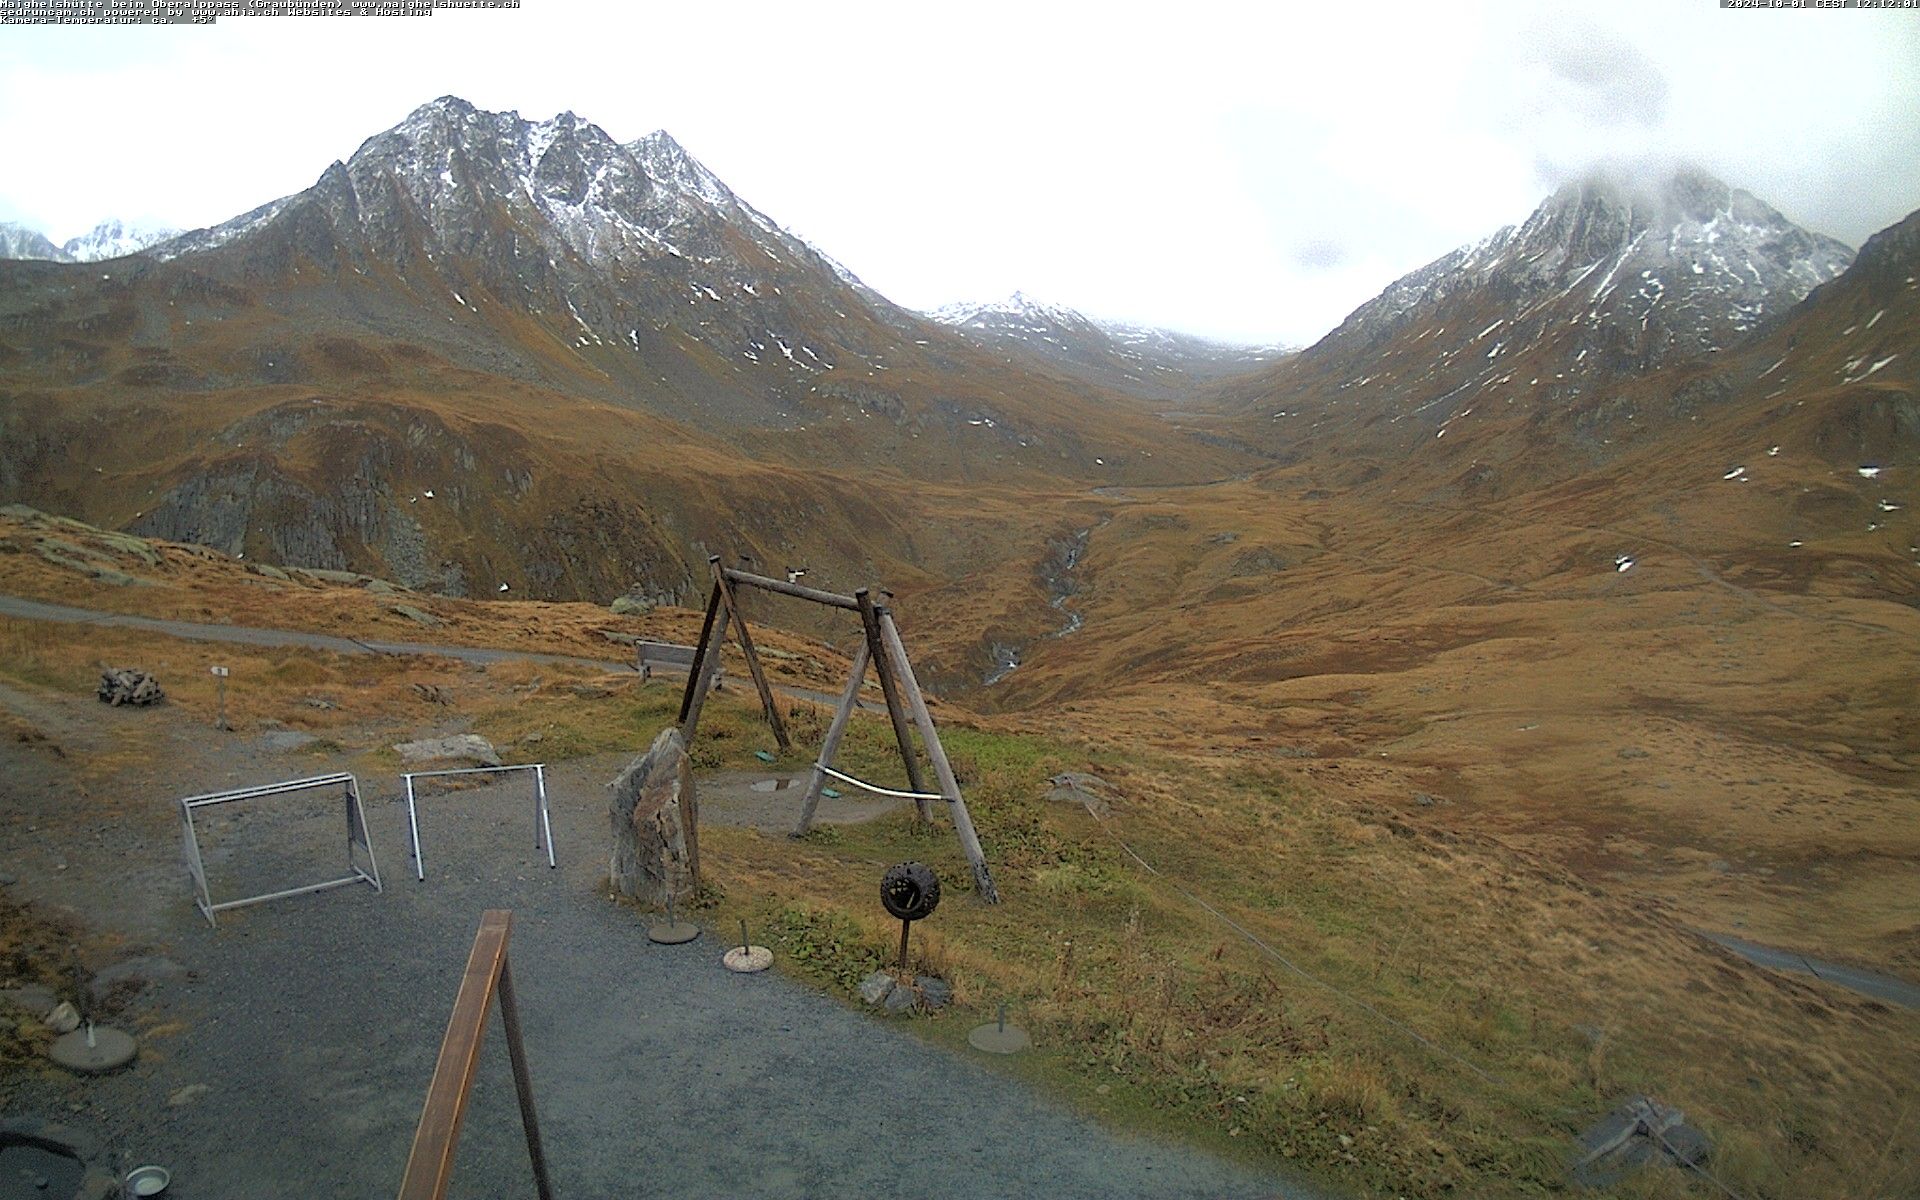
430,1162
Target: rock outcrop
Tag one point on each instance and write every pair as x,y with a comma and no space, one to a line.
459,747
655,816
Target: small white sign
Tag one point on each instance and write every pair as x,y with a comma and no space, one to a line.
220,671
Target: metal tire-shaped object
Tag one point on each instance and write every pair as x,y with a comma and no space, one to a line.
910,890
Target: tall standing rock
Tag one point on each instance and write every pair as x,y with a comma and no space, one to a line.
656,847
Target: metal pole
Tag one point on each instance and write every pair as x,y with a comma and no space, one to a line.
546,822
357,820
413,823
356,877
905,928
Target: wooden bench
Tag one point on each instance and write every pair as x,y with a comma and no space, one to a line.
649,655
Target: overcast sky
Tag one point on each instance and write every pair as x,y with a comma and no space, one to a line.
1228,169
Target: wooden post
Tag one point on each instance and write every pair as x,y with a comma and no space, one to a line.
522,1079
701,679
796,590
949,786
848,700
896,712
430,1162
732,607
699,652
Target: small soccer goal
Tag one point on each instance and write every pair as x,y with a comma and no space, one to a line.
542,826
359,845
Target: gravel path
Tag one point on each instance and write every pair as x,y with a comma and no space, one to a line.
255,635
300,1037
1867,983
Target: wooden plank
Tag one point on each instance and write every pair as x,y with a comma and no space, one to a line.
848,700
667,653
896,712
942,769
732,606
523,1081
430,1162
796,590
700,650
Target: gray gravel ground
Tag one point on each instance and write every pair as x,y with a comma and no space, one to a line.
310,1026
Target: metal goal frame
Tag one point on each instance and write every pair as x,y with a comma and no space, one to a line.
357,839
542,825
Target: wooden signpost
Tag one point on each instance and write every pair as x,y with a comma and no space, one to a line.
880,648
221,673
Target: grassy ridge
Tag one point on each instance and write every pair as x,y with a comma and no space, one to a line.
1569,993
1543,1003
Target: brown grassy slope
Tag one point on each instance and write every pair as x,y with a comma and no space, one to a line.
299,412
1567,989
1728,724
63,561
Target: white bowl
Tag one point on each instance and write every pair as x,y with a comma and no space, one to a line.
148,1181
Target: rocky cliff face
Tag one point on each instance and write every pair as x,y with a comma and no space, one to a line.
1640,274
1610,278
17,241
636,250
485,350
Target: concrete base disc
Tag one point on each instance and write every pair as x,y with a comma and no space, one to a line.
995,1038
111,1050
673,933
748,959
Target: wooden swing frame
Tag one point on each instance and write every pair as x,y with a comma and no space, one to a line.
880,648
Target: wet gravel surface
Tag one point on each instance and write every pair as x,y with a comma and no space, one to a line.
293,1049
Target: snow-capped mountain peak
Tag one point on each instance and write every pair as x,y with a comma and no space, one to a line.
18,241
1672,265
1144,361
117,239
108,239
668,164
1018,311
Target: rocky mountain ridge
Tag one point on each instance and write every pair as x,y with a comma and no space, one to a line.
1154,364
1609,279
487,351
109,239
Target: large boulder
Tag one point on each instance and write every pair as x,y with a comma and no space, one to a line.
468,748
655,815
1078,787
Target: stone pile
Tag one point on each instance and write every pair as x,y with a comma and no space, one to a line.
124,685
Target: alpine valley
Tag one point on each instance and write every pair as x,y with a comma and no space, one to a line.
1571,585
